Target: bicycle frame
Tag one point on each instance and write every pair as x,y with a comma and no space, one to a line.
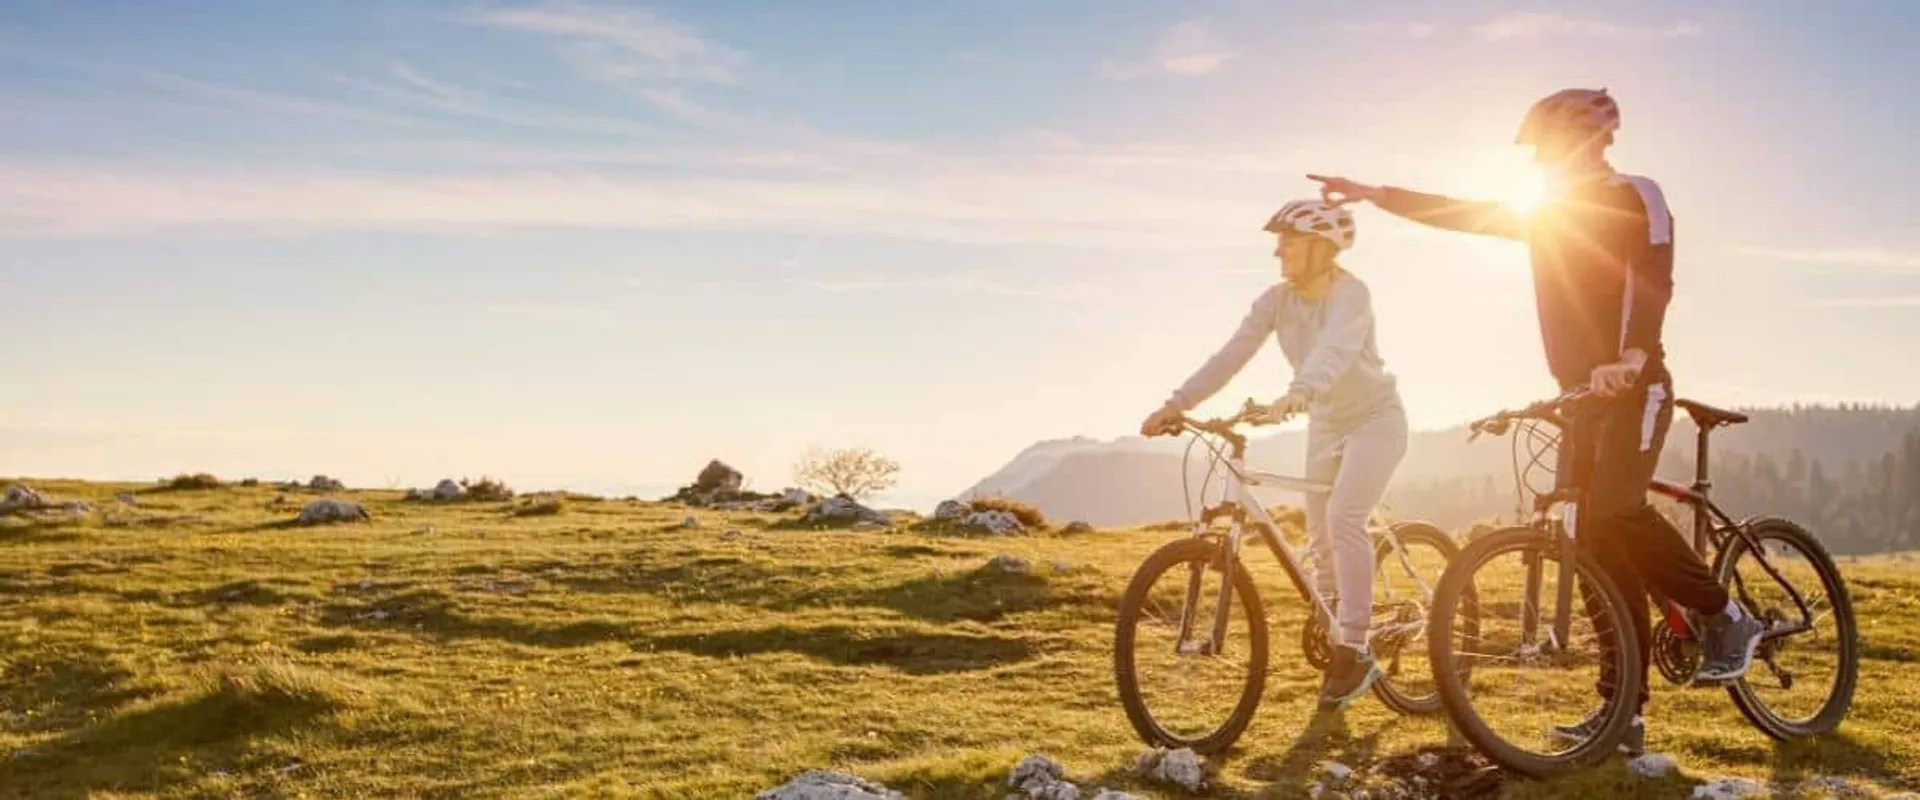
1237,503
1712,528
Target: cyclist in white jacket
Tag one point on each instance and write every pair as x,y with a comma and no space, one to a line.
1322,317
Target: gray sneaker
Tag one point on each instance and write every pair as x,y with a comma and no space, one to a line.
1728,647
1350,675
1633,744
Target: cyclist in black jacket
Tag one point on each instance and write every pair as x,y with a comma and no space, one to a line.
1601,245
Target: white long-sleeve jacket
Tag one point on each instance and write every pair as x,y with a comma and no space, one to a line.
1330,343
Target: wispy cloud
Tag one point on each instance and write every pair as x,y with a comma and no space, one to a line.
622,43
1537,24
1187,49
1410,30
1870,257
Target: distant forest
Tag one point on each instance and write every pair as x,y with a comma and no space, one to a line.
1850,473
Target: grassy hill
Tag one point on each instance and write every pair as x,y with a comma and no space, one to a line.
194,644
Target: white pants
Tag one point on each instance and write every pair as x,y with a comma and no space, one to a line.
1358,458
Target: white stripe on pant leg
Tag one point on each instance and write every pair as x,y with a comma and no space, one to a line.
1650,415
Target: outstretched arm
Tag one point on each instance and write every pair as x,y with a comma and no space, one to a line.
1466,216
1225,363
1440,211
1349,318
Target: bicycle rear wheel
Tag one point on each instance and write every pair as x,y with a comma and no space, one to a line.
1402,606
1478,672
1147,636
1789,708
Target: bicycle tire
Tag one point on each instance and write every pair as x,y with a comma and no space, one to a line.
1175,553
1840,701
1409,533
1450,679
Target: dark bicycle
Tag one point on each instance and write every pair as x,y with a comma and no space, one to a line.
1470,671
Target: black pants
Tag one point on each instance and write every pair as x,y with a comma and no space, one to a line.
1617,449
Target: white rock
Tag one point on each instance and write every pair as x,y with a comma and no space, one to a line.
823,785
1729,789
1010,564
1038,776
690,522
796,496
1653,765
997,522
128,498
325,484
1336,771
447,489
1109,794
1181,768
23,497
950,510
841,508
730,536
328,510
1428,760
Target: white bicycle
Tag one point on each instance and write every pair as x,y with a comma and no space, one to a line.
1409,557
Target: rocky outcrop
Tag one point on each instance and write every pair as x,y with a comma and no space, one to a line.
824,785
842,509
327,511
999,523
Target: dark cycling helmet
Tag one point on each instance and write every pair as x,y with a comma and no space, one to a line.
1587,111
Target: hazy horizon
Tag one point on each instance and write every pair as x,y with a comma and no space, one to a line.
607,242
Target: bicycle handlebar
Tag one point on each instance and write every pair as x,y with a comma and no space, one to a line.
1251,413
1544,411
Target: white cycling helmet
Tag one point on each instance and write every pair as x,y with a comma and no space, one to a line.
1591,112
1317,217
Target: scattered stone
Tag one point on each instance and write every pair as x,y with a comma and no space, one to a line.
690,523
78,507
1038,776
1109,794
1427,760
1440,772
867,525
842,509
1336,771
128,498
1729,789
1077,526
328,510
730,536
1000,523
950,510
1009,564
1061,565
793,497
1832,784
322,483
817,784
1653,765
23,498
1179,767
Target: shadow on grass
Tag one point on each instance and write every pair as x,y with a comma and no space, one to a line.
980,594
1324,738
1832,754
436,614
915,653
56,690
143,750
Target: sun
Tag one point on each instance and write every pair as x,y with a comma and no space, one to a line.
1523,193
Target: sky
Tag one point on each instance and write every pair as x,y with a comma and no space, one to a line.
595,245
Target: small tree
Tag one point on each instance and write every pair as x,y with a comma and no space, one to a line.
855,472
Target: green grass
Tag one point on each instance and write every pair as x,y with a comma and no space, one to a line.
192,645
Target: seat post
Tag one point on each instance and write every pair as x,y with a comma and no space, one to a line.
1702,485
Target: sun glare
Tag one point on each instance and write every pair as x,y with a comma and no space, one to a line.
1524,193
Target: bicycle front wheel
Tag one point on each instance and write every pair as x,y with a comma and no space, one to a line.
1508,685
1172,678
1801,684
